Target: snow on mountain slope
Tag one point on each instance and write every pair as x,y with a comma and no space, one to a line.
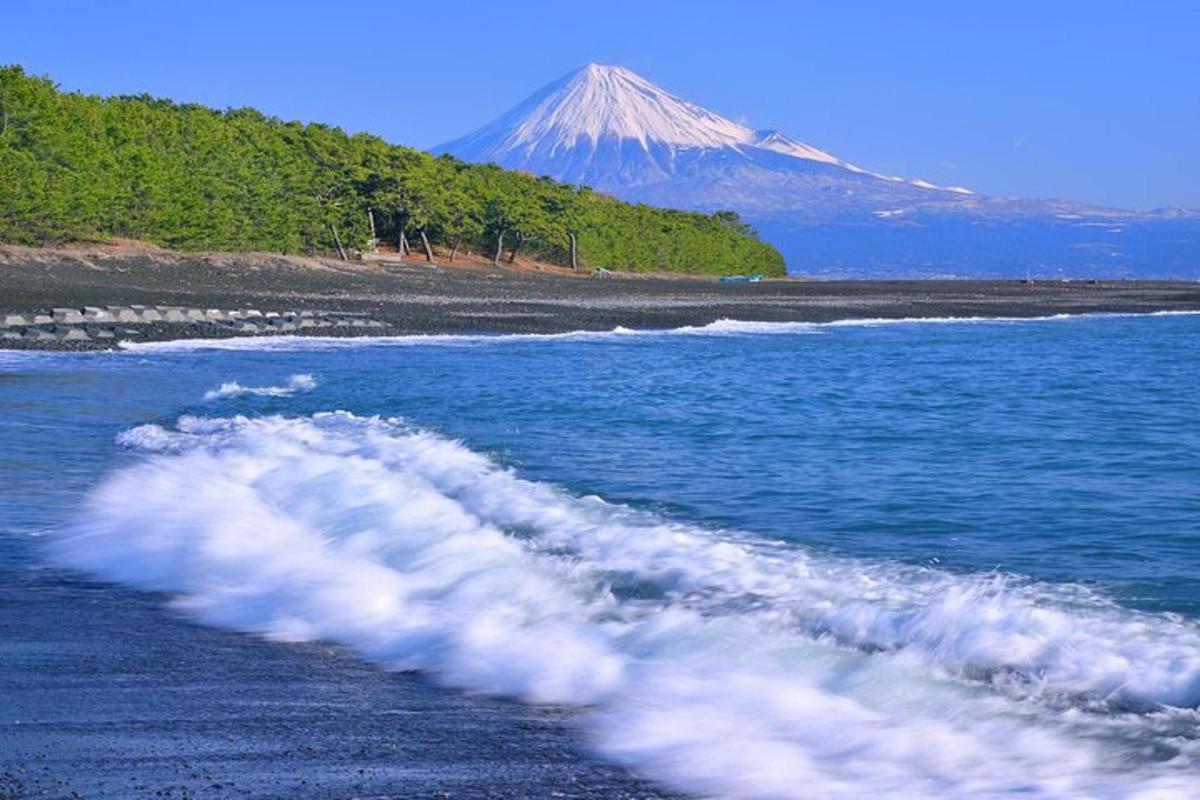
782,143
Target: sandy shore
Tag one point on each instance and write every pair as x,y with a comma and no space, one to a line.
415,298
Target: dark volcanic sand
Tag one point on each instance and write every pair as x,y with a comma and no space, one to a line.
105,693
416,298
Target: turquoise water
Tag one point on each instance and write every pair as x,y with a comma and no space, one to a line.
937,558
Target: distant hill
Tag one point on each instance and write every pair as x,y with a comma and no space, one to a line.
609,128
192,178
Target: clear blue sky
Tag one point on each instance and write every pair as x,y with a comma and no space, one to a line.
1089,100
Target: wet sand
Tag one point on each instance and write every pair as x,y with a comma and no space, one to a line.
416,298
107,693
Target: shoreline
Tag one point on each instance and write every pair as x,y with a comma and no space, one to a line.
413,298
301,340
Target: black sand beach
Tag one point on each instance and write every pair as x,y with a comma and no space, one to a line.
417,298
110,694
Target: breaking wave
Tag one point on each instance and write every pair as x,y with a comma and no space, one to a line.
296,383
713,661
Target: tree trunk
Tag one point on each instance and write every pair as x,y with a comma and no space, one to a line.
574,252
512,257
374,238
499,246
401,240
338,240
454,250
425,244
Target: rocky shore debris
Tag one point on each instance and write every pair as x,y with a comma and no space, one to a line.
92,323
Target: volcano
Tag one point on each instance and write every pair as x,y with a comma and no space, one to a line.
613,130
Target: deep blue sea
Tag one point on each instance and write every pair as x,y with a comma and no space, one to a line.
929,559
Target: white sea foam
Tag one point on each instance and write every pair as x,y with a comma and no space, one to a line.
712,661
296,383
721,327
306,343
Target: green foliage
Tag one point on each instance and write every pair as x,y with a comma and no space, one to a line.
184,176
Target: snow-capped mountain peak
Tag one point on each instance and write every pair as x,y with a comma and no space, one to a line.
599,102
581,128
610,128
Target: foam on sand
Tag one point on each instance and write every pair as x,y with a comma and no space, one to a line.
713,661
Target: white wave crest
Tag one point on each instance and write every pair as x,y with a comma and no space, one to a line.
721,327
295,383
715,662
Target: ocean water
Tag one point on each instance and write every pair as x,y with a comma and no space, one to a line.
931,559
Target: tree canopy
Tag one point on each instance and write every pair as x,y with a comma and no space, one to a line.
184,176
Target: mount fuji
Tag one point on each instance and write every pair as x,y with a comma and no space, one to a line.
613,130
